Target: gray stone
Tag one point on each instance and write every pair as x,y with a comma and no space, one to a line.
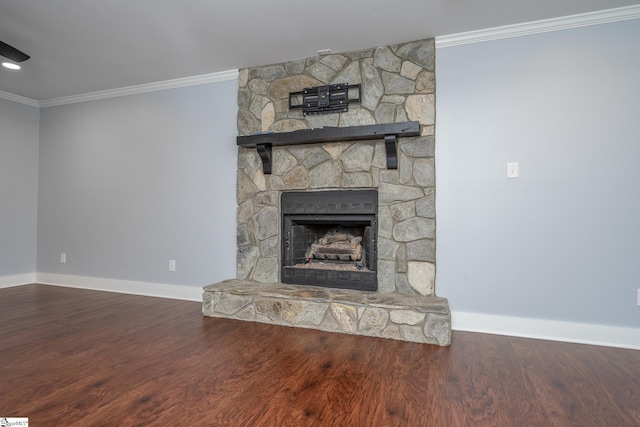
421,52
301,152
412,333
318,121
266,222
258,86
297,179
371,86
393,99
385,221
392,331
346,316
230,303
266,270
421,250
259,180
287,125
336,149
387,249
254,73
335,62
422,276
252,162
283,161
406,317
242,237
410,70
424,173
426,82
280,89
439,327
256,106
245,211
386,276
317,156
401,259
373,321
274,182
396,84
270,309
385,59
385,113
273,72
246,313
392,193
326,175
421,108
357,158
389,176
379,156
268,116
357,117
295,67
245,188
402,284
243,77
265,198
357,180
246,258
401,114
244,98
402,211
414,229
304,312
422,146
209,301
405,166
359,54
247,122
426,206
350,74
321,72
270,247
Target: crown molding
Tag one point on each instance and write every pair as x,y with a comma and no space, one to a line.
543,26
19,99
144,88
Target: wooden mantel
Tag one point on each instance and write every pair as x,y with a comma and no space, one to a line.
264,142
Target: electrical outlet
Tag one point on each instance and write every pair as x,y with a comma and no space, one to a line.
63,258
512,170
172,265
638,297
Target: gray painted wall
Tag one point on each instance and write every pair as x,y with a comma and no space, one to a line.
562,241
128,183
18,187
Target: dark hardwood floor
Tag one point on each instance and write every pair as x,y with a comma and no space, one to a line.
71,357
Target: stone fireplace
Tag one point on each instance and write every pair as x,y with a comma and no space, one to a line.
362,259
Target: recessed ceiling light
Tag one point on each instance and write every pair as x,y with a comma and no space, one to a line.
11,65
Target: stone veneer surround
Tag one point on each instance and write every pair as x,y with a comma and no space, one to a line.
397,86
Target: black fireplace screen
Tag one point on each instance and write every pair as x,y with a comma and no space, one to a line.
329,239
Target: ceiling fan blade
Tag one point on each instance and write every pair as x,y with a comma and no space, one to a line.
12,53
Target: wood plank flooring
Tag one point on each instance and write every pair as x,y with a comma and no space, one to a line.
71,357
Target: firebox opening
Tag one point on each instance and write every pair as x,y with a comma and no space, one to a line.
329,239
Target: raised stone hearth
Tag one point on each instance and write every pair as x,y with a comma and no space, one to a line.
423,319
281,150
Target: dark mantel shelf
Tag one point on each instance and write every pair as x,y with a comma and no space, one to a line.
388,131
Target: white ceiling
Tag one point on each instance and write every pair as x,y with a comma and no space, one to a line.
83,46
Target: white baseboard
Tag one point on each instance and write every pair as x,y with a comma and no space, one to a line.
553,330
17,280
188,293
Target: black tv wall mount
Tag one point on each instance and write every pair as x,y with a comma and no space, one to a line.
325,99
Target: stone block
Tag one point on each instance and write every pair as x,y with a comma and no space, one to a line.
265,222
304,312
357,158
229,304
326,175
406,317
373,321
414,229
268,309
439,327
395,84
422,276
346,316
266,270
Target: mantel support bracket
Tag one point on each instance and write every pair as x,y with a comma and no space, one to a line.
390,143
264,150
